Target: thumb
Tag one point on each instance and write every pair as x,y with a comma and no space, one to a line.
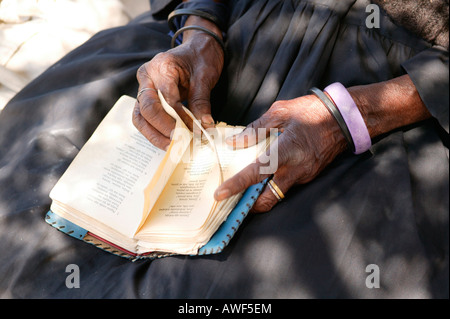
200,105
254,132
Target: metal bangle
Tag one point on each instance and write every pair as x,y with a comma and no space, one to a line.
329,104
196,27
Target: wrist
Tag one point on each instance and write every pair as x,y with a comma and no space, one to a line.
203,36
329,132
199,21
350,118
388,105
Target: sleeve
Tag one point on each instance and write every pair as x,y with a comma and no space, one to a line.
218,9
161,8
430,74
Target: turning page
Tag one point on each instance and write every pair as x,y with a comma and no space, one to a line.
106,180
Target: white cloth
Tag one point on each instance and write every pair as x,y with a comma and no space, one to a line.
36,33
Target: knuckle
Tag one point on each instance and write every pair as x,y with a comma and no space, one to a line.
159,58
147,108
242,181
135,121
199,96
258,123
165,63
199,103
250,176
155,140
277,104
156,117
136,118
263,204
166,68
162,63
142,73
247,177
279,111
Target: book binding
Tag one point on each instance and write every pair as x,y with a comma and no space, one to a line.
215,245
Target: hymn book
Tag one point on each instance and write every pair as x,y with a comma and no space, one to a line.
123,193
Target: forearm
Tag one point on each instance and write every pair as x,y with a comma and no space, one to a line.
388,105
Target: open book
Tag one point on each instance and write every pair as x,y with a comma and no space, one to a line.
124,192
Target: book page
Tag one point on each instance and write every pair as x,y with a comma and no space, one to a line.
187,200
107,178
180,140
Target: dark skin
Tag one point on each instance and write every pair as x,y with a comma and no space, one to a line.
311,137
187,72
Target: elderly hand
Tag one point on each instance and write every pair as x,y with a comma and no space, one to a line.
310,139
185,73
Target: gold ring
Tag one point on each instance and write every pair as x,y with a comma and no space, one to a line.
276,190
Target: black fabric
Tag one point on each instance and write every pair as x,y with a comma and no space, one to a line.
216,12
387,207
429,73
161,8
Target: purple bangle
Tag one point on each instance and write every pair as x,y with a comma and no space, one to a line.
352,117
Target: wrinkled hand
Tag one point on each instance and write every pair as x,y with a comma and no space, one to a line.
310,139
185,73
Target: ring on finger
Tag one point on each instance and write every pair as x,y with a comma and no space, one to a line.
142,91
275,190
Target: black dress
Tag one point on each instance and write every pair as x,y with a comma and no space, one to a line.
387,207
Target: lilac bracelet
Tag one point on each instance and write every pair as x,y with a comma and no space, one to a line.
352,117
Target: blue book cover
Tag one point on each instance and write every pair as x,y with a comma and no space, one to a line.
97,161
215,245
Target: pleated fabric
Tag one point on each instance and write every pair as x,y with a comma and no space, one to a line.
387,207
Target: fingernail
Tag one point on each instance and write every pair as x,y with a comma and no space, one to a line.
207,119
222,194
